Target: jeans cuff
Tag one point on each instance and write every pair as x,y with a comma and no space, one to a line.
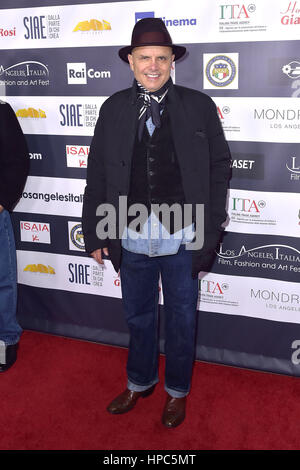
175,393
139,388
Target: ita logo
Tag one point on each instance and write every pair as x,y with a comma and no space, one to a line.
76,240
220,71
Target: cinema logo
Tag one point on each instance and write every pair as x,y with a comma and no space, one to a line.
293,166
291,16
42,27
77,155
31,113
36,232
92,26
25,73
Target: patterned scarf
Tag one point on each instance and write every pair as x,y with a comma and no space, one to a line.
151,105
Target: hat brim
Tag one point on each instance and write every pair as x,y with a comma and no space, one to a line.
178,51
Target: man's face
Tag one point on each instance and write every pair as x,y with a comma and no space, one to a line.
151,65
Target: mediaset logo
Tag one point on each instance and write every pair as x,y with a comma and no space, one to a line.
247,165
31,113
92,25
292,69
42,26
78,115
77,73
7,33
220,70
26,73
291,15
39,268
76,240
293,166
168,21
236,11
77,155
38,232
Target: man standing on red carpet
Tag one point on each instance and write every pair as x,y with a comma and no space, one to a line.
14,163
157,146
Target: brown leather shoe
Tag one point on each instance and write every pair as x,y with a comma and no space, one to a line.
127,400
174,411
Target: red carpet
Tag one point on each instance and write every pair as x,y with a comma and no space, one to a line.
55,397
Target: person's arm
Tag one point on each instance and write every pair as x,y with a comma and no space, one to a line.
14,158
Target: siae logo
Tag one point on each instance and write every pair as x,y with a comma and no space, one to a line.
236,11
35,27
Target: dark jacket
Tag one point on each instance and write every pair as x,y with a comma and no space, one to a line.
203,157
14,157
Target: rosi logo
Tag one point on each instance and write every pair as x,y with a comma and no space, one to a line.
39,268
7,32
94,25
31,113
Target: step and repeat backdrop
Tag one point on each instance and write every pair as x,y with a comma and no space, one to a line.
59,63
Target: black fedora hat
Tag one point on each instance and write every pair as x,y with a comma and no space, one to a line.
151,32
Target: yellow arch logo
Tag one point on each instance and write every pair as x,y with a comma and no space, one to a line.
94,25
39,268
31,112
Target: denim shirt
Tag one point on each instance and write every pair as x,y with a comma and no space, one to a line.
154,239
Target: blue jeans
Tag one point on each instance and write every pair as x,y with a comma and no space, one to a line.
10,330
139,281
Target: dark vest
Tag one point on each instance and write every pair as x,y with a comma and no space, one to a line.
155,173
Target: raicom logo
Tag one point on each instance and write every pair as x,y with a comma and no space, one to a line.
38,232
291,15
247,205
77,155
39,268
25,73
220,71
78,115
31,113
92,25
168,21
42,27
7,33
294,167
292,69
78,74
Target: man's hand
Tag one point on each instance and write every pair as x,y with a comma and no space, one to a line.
1,208
97,255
